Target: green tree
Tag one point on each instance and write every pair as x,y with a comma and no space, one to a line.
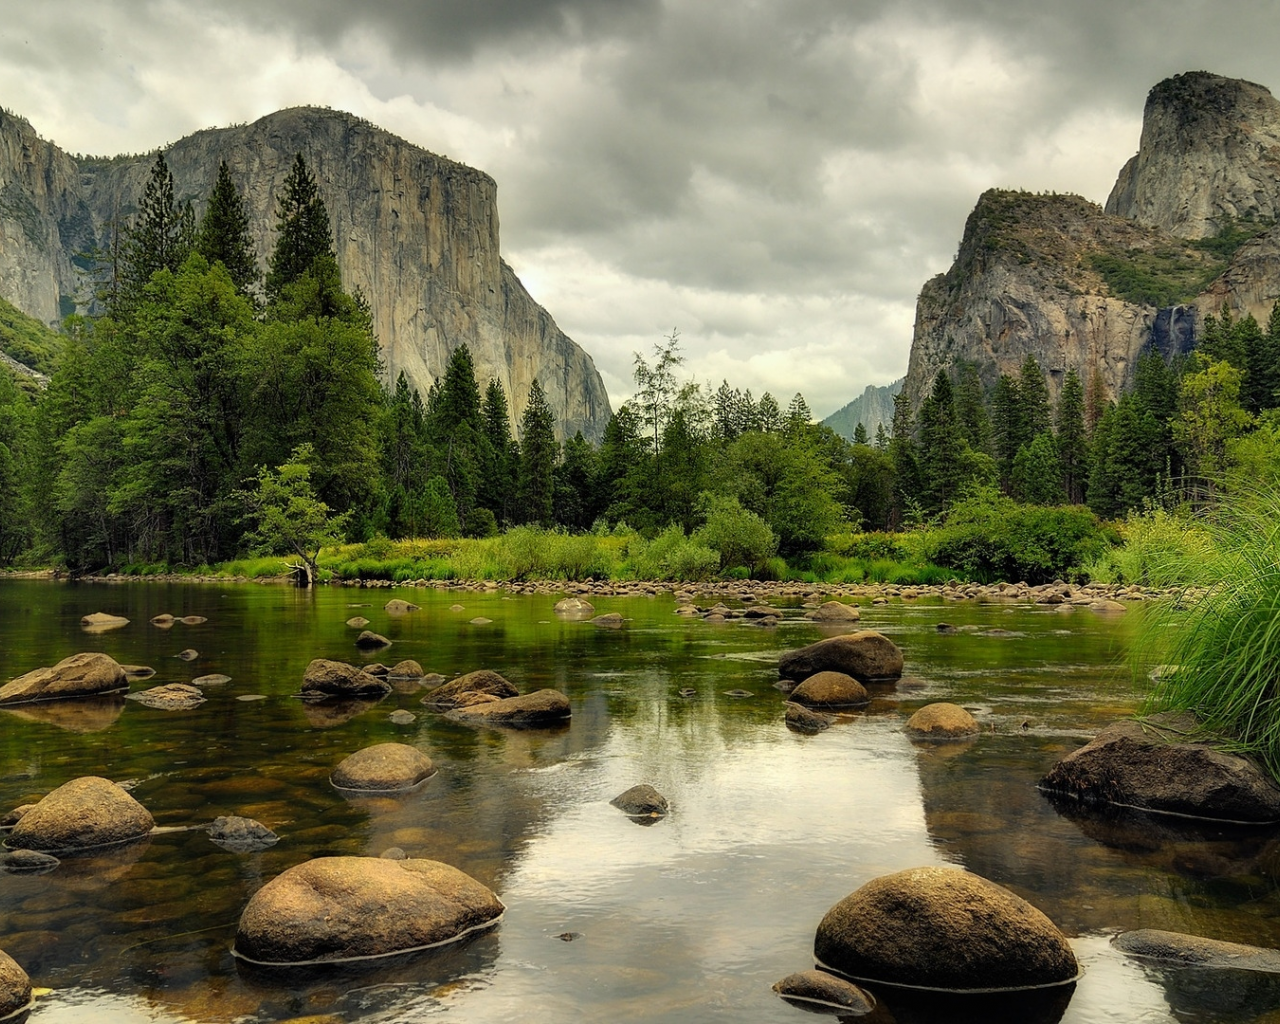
1037,472
1210,419
538,454
768,415
160,238
1033,393
905,456
575,504
971,412
499,454
303,232
860,434
1073,442
223,236
741,538
940,446
1009,429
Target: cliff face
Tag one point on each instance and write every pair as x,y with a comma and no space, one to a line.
417,233
1088,289
871,408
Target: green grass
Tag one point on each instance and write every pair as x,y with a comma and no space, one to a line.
1160,277
1225,646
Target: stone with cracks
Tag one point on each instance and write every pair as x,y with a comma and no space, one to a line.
383,768
81,814
866,655
332,909
81,675
944,929
325,678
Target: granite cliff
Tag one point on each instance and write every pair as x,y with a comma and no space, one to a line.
871,408
416,232
1189,227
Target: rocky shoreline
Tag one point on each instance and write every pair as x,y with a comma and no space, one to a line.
1057,593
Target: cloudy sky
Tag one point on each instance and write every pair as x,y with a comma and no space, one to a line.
773,178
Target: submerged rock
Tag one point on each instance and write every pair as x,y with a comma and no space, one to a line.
1151,766
834,611
941,721
383,768
357,622
541,708
81,814
398,607
402,717
642,801
830,690
15,987
946,929
241,835
610,620
575,607
801,719
81,675
193,620
163,620
332,909
100,622
823,989
212,679
190,654
1194,951
27,862
14,816
446,695
407,669
138,671
868,656
371,641
325,678
170,697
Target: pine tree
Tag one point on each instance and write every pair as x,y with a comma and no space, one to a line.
940,446
906,461
538,452
798,415
304,235
498,454
1008,427
1073,443
223,236
860,433
768,415
575,477
1033,393
160,238
971,412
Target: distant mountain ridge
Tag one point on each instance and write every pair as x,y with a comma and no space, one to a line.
416,232
871,408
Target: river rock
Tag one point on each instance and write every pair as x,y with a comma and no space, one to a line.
942,928
865,655
357,622
1193,951
163,620
531,710
402,717
100,622
575,607
14,816
642,801
801,719
445,696
332,909
825,989
371,641
1151,768
241,835
171,697
81,675
830,690
138,671
383,768
27,862
406,669
834,611
941,721
398,607
193,620
376,669
338,679
1105,606
15,987
760,611
610,620
81,814
212,679
190,654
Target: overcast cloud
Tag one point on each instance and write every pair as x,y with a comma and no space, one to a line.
775,179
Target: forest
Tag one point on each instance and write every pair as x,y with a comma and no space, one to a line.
204,411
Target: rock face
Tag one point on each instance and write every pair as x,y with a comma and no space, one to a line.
1152,769
943,928
416,232
332,909
79,815
15,987
539,709
383,768
866,655
81,675
325,678
872,408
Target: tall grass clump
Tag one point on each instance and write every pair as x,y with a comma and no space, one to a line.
1221,655
1160,549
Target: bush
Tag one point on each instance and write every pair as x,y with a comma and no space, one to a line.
991,538
1160,549
741,538
671,556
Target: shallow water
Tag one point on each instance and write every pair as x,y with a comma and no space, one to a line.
689,920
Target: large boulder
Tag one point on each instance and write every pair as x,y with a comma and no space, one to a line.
830,690
1149,766
81,675
866,655
531,710
79,815
941,721
332,909
943,928
446,695
325,678
15,987
383,768
834,611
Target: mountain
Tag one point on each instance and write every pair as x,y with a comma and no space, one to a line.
871,408
1189,227
416,232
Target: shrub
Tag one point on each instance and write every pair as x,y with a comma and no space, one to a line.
1160,549
741,538
671,556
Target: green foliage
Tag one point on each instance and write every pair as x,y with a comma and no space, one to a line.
1231,236
538,454
1159,549
27,340
671,556
160,238
223,236
303,232
989,537
1225,646
741,538
1156,277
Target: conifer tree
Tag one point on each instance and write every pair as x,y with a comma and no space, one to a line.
882,438
223,236
860,433
940,444
768,415
1073,443
160,238
538,452
906,461
1008,427
302,223
1033,393
798,415
971,412
499,456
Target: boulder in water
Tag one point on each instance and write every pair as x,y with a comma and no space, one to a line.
325,678
171,697
941,721
334,909
100,622
81,675
801,719
371,641
830,690
822,989
407,669
866,655
398,607
642,801
446,695
539,709
81,814
383,768
15,987
241,835
834,611
1194,951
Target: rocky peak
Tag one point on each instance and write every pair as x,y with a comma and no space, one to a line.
1209,156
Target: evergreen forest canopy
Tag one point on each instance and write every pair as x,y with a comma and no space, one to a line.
206,410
